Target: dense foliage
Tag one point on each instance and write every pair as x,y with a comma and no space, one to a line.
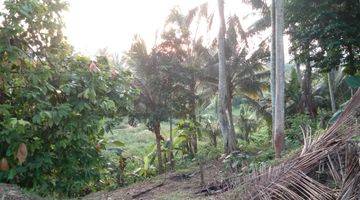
55,106
58,109
326,32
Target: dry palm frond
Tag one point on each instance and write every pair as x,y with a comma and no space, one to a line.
306,130
335,153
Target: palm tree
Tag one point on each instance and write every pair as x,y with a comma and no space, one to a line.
280,80
225,114
150,77
247,73
273,65
188,52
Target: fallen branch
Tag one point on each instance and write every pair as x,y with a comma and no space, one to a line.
146,191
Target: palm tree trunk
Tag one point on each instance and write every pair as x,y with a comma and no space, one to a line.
225,117
158,147
280,80
331,79
273,64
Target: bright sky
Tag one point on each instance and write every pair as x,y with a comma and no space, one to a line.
95,24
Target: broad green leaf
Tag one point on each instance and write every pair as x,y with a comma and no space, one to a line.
118,143
23,122
11,174
353,81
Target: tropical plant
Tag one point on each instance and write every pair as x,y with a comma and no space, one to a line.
186,50
247,122
152,78
225,114
55,106
314,172
333,44
247,74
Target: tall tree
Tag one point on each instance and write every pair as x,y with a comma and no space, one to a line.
273,65
333,44
226,125
280,80
151,78
186,51
306,100
247,74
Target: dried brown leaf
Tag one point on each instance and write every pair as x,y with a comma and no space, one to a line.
4,165
22,153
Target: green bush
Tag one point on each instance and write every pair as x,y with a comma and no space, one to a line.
61,115
54,106
294,135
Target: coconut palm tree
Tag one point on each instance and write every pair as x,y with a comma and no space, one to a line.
187,51
273,64
152,80
280,79
247,72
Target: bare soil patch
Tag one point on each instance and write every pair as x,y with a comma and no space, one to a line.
173,186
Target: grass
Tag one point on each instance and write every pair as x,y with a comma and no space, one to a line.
138,140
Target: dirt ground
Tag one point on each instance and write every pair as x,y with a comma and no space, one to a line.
175,186
12,192
170,186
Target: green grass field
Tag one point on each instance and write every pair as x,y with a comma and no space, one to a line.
138,140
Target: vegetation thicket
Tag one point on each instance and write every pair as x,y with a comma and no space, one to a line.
71,125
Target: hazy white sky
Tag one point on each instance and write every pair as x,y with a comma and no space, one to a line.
95,24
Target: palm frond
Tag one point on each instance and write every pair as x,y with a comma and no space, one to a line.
190,16
259,5
234,23
210,20
260,25
296,177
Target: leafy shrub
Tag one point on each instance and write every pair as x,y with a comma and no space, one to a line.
294,135
185,131
54,106
61,115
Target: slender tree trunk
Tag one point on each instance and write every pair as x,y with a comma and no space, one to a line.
225,118
352,66
229,105
171,156
273,65
280,80
298,73
158,147
202,180
217,107
213,137
306,97
193,136
331,79
214,130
